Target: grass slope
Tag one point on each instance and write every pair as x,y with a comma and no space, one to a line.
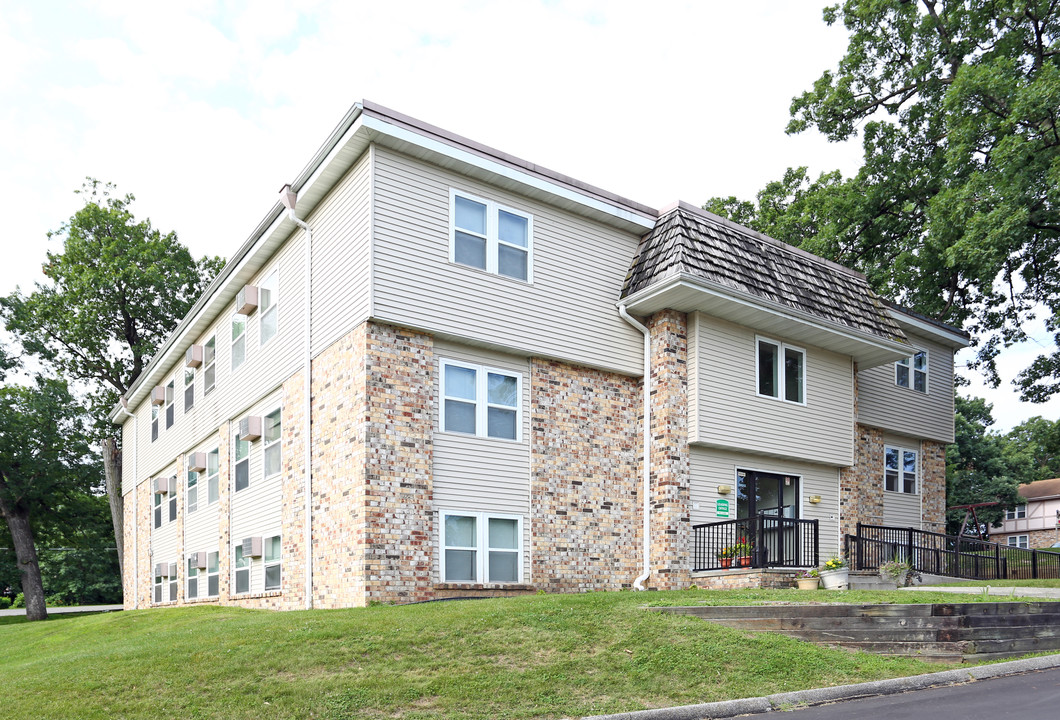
535,656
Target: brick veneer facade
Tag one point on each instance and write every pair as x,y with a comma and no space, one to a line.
933,485
1035,538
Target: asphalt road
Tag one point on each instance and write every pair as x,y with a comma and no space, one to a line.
1031,696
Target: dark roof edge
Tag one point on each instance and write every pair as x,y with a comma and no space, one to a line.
376,110
952,329
696,210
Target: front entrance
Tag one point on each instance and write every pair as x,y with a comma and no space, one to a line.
763,493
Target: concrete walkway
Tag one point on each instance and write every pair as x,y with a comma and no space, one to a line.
61,610
1019,592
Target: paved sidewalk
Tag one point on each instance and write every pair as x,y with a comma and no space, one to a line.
60,610
1035,592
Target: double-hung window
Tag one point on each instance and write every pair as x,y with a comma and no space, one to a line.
272,443
480,401
242,568
481,548
189,388
154,423
781,370
899,470
239,340
242,464
193,491
213,479
491,237
1017,513
912,372
170,410
158,510
268,296
213,574
160,582
1019,541
172,500
272,556
193,578
209,365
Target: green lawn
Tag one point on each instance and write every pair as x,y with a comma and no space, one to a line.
1007,583
534,656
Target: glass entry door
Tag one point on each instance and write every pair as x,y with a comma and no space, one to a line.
762,493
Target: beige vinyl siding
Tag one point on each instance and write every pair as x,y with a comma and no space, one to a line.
481,474
165,542
884,405
712,467
202,528
727,412
568,313
341,249
901,510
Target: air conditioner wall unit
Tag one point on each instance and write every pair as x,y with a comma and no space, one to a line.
198,559
193,357
252,547
197,462
247,300
158,395
160,570
250,428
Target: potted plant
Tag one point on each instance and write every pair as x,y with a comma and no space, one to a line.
725,557
808,579
896,571
834,574
743,550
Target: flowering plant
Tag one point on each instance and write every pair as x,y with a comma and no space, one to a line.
833,563
725,552
808,574
898,571
743,548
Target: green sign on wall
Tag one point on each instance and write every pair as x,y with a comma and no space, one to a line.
721,509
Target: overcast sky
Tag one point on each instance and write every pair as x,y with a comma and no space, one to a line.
204,109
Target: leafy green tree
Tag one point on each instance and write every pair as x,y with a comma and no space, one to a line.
1036,444
110,298
956,208
44,463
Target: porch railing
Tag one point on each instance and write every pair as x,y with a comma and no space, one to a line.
766,540
950,555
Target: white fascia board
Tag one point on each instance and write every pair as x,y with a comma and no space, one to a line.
505,171
949,338
782,311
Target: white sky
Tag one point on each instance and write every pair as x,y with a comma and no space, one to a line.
204,109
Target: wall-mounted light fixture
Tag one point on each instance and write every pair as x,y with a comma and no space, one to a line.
724,489
815,499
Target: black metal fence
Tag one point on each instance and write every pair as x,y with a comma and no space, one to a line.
760,541
939,554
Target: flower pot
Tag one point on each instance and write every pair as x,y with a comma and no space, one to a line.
726,563
807,583
744,561
835,579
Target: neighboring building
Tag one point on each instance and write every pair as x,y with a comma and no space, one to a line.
1035,523
475,420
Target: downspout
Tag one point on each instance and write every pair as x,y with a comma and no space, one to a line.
136,517
288,198
646,465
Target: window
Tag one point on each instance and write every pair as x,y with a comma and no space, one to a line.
170,410
154,423
189,388
242,566
172,499
781,371
272,563
213,583
193,578
193,491
1019,541
239,340
272,443
481,548
213,471
165,581
268,297
209,365
481,401
160,582
158,510
915,367
242,464
490,237
1017,513
899,470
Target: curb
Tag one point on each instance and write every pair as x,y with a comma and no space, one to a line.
820,696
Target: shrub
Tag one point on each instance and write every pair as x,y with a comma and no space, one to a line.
5,602
20,601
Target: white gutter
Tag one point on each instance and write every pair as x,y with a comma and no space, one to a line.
646,465
288,198
124,407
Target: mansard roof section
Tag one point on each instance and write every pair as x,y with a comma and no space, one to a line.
692,243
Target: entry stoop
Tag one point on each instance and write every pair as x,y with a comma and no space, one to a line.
961,632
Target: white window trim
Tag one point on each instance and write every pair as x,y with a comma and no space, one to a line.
1014,513
266,445
232,344
235,463
189,372
206,365
217,477
900,486
1026,540
273,307
235,570
207,575
481,400
188,487
781,378
265,565
909,363
482,546
492,235
171,403
188,577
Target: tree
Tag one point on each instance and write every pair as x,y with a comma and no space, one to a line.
956,209
44,461
1036,444
110,298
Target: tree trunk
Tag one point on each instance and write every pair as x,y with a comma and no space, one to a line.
26,558
112,476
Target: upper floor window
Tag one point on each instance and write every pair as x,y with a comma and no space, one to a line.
899,470
490,237
193,491
213,473
912,372
189,388
781,371
170,410
154,422
209,365
242,464
239,340
272,443
480,401
268,297
1017,513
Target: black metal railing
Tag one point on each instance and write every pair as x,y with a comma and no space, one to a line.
760,541
938,554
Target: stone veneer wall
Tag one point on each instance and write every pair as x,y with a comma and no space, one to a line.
1035,538
861,485
745,579
292,513
585,478
670,464
933,485
136,583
